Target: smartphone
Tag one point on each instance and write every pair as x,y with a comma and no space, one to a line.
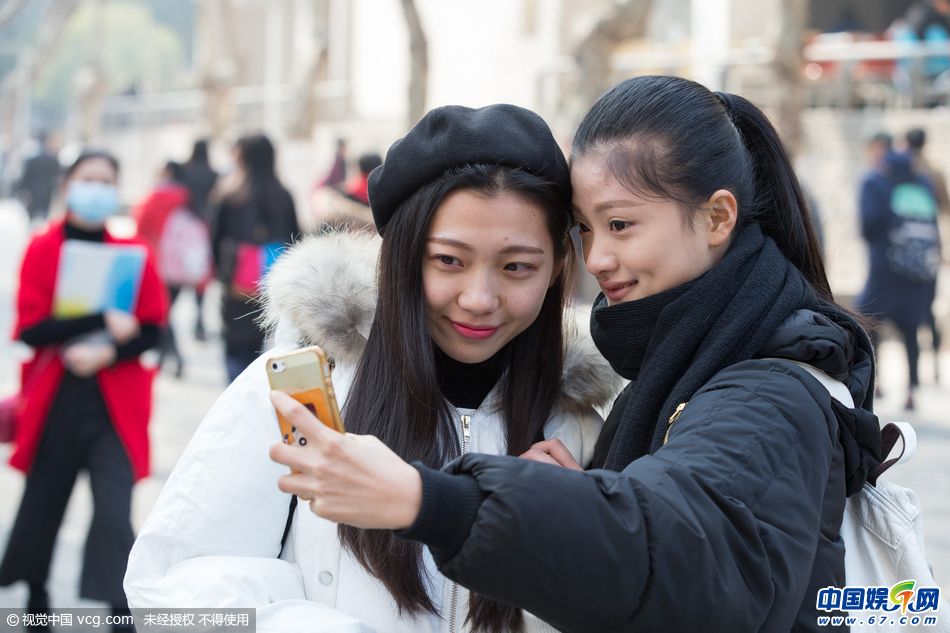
305,376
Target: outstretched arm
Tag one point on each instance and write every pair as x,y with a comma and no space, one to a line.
716,531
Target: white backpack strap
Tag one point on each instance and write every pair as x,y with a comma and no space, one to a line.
836,388
890,432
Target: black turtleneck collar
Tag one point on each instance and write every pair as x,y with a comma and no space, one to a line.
466,385
85,235
623,332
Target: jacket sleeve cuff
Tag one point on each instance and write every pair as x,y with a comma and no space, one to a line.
147,339
449,506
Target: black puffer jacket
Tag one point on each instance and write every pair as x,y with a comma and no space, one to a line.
733,525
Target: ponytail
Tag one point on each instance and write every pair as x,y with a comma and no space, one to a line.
779,206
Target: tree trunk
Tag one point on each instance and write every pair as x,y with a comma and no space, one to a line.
623,21
787,33
418,62
30,63
90,82
57,16
305,105
10,10
221,66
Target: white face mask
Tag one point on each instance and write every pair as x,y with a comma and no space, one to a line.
92,202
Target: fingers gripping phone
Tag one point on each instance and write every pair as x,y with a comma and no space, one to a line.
305,376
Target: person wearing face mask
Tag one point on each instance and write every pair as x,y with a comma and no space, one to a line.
86,403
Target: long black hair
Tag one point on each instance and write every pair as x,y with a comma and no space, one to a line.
199,153
396,395
672,138
261,187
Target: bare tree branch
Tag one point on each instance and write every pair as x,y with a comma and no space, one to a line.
788,36
9,10
418,62
222,68
30,63
625,20
231,41
90,84
50,35
304,106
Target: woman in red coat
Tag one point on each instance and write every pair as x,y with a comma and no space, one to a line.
87,399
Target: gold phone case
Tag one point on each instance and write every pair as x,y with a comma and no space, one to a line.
305,375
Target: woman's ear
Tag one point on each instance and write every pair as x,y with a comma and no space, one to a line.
723,211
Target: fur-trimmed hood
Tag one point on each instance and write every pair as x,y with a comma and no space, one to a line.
322,291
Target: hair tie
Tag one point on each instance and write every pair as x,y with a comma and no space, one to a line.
724,100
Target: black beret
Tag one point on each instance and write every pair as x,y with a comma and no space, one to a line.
454,136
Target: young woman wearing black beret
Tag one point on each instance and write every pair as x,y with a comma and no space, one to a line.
459,347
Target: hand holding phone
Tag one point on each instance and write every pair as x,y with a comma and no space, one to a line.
305,376
346,478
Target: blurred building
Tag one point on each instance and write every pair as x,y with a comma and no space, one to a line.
291,66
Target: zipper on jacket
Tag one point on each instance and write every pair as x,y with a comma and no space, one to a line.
465,420
453,620
465,440
673,418
466,432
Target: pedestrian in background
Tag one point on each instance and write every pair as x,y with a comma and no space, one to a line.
40,177
916,139
88,402
341,203
347,208
336,175
252,222
358,188
200,179
152,215
898,213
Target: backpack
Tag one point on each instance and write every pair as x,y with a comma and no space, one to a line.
913,247
251,263
882,530
184,250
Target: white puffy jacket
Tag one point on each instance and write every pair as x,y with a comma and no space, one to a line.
213,537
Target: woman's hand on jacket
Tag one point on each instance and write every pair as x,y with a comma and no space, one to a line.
551,452
122,326
86,359
346,478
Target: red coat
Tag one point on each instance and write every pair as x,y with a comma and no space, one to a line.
126,386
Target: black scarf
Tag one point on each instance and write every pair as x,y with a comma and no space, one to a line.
627,328
721,318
